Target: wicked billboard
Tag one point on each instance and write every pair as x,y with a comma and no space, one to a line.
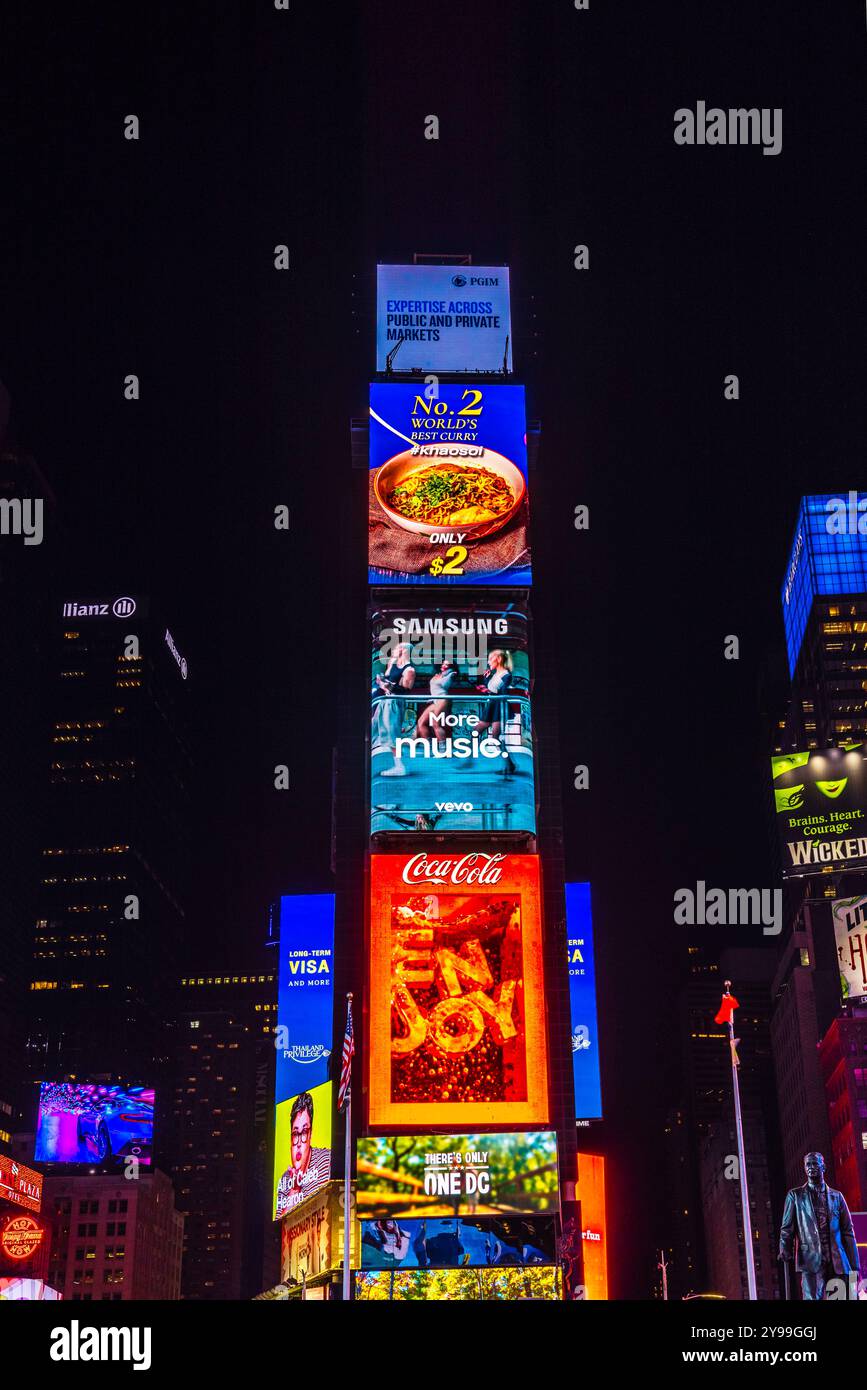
457,1011
820,798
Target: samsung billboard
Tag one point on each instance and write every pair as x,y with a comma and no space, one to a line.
443,318
451,744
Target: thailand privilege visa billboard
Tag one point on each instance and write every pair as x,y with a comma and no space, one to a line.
582,1003
305,993
447,495
451,743
457,1009
446,318
305,1020
820,798
850,937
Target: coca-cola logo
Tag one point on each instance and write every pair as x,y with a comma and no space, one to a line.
470,868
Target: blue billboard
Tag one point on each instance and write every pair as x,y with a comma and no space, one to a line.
828,556
582,1000
447,496
443,318
305,994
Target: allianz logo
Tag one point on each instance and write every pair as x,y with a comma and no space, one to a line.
454,805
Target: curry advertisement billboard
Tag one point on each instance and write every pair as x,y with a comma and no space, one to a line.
457,1005
447,496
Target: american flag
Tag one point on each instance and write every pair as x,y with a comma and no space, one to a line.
346,1065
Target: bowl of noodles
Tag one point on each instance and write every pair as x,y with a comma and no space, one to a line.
436,492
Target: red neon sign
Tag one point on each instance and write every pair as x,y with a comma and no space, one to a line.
21,1237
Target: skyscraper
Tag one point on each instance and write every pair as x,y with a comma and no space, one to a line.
115,772
824,599
220,1125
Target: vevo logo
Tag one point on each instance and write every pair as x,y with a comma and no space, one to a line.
454,805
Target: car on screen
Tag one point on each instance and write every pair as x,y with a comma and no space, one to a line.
117,1124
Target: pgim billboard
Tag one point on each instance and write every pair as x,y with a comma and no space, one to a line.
443,318
457,1029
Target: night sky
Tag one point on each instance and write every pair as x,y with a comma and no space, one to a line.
261,127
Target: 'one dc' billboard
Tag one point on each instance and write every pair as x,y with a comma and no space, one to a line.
446,318
582,999
447,496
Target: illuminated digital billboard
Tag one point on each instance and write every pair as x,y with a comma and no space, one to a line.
451,745
850,936
302,1147
443,318
305,993
820,798
590,1192
408,1177
828,557
311,1236
20,1184
80,1122
582,1003
457,1007
456,1242
447,500
453,1285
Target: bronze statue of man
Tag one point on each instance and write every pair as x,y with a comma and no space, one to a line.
817,1218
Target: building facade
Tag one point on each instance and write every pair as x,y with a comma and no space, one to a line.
113,1239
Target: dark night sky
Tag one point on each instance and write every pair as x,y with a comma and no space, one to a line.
306,127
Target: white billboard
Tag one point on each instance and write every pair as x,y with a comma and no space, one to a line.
443,318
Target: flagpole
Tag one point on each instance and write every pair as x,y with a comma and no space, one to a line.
347,1186
742,1167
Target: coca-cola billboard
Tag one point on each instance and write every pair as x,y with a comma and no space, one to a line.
457,1011
468,868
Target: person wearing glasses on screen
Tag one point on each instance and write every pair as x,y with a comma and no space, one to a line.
311,1167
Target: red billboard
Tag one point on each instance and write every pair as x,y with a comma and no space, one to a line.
20,1184
457,1006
